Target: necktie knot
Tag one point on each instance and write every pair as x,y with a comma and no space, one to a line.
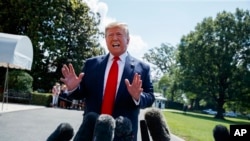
116,58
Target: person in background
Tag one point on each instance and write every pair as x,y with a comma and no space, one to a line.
74,104
132,89
81,104
56,90
63,96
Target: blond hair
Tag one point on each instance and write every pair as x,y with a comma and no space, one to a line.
124,26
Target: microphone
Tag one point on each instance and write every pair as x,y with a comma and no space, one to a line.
104,128
64,132
86,129
123,129
157,125
221,133
144,131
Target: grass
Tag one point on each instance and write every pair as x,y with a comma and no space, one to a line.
195,126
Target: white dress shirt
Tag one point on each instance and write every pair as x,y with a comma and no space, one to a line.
121,64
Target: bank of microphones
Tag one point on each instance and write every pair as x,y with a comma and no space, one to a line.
104,127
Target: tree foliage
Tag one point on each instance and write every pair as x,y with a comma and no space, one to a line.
170,85
163,57
214,59
61,31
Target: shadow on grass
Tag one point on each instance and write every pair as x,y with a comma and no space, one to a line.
210,117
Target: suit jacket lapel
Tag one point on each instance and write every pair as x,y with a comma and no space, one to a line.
127,74
101,73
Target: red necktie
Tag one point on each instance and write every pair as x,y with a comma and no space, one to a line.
110,90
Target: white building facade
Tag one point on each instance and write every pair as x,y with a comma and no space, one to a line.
160,101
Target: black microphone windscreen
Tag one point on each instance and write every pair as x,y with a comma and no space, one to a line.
86,129
123,129
157,125
221,133
104,128
144,131
64,132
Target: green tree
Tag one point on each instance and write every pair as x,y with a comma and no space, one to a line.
163,57
170,85
214,59
61,31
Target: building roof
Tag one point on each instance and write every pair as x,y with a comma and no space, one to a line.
159,96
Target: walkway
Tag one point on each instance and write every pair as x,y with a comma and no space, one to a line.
28,122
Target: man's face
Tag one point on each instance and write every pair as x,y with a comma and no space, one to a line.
117,41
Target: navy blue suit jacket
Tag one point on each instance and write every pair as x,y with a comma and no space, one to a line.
91,88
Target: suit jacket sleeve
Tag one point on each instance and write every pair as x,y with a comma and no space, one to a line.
147,97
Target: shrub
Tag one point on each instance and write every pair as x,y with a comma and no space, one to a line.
20,80
43,99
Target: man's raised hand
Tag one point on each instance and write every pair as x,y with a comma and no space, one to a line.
135,88
71,80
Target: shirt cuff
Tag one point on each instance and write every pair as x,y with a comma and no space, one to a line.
137,102
70,92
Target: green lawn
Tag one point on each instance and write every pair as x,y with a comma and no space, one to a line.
194,126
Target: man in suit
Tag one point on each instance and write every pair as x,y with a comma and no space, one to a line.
134,88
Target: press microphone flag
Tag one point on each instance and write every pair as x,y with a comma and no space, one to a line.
144,131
